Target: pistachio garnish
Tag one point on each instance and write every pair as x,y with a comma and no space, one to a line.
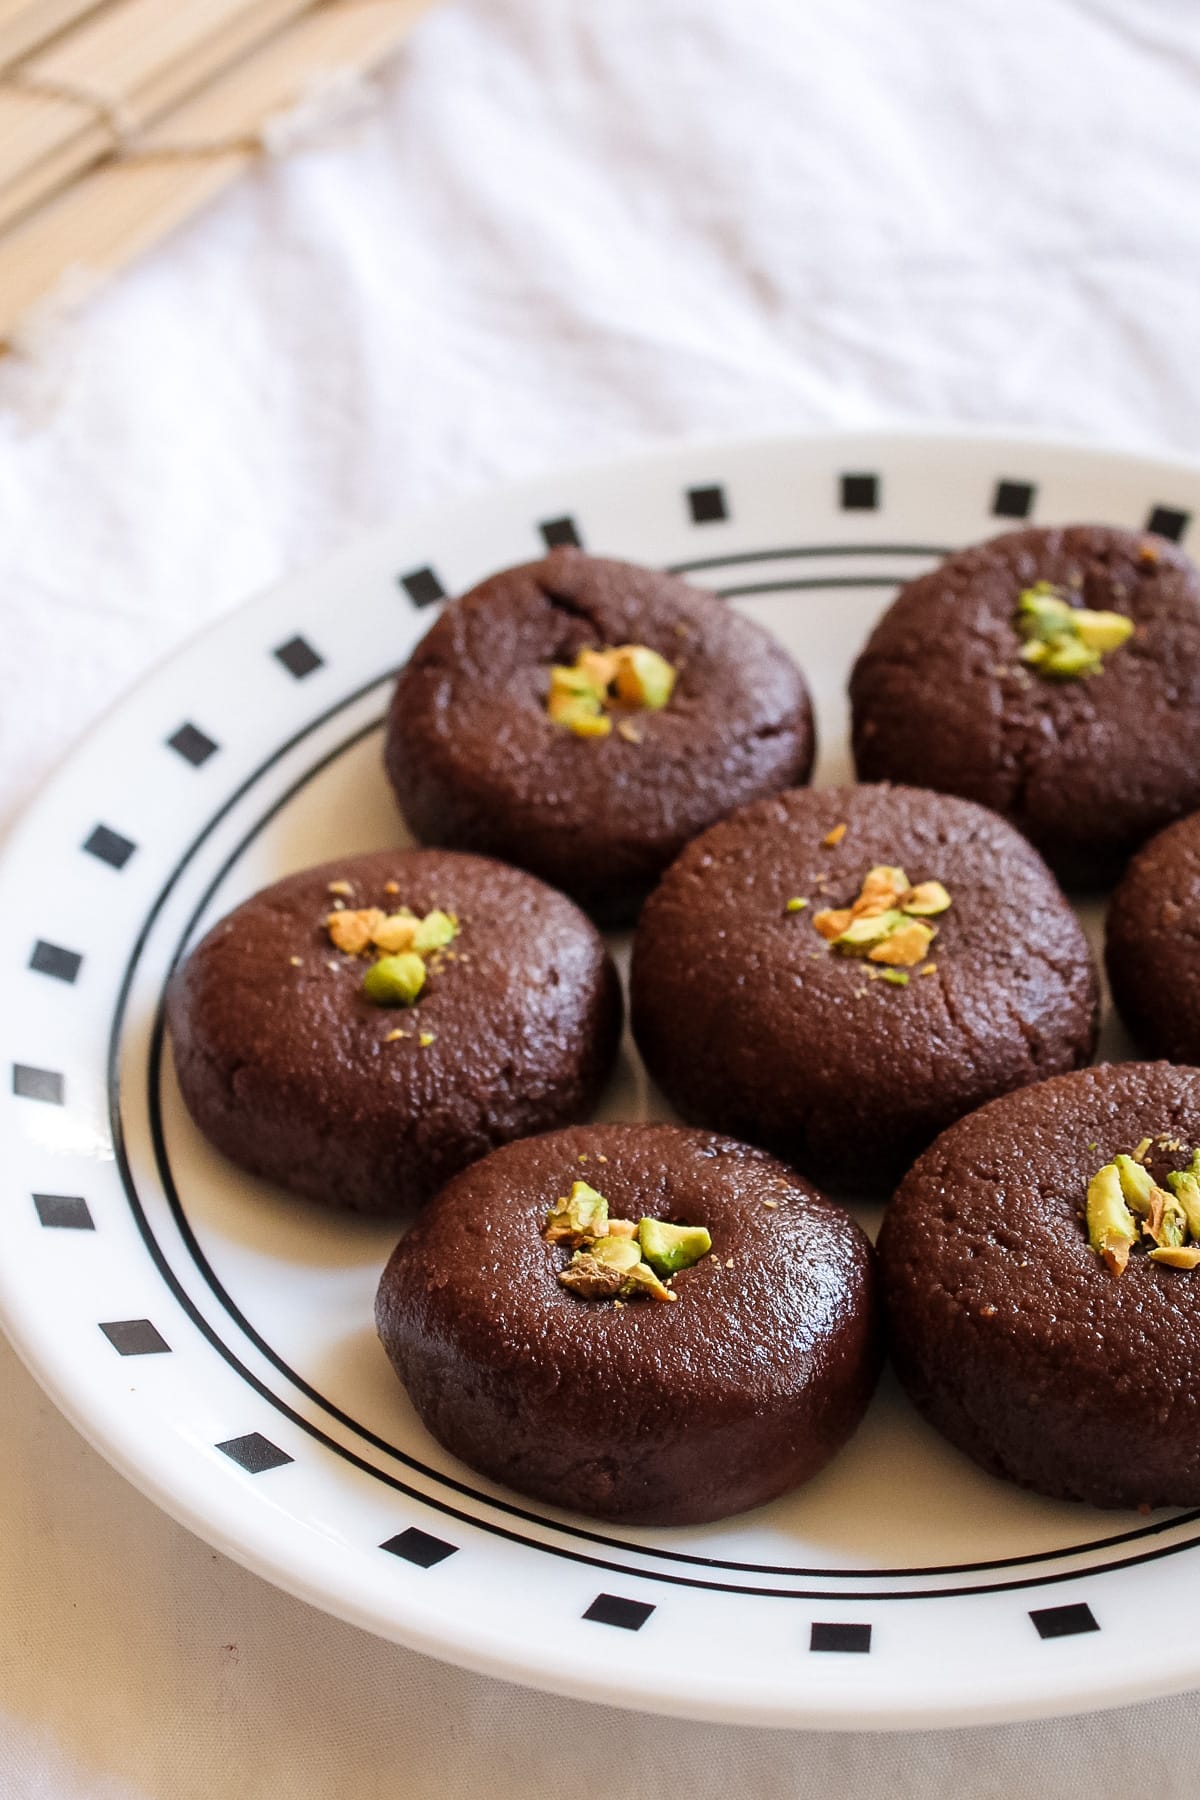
394,980
583,693
885,924
1065,642
1125,1206
578,1217
615,1257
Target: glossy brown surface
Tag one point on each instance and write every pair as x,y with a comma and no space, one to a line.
1008,1331
651,1412
478,764
1087,769
753,1026
289,1070
1152,943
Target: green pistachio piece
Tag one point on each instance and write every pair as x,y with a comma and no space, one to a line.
795,905
577,1218
1069,658
618,1252
394,980
860,934
1137,1186
641,1279
1111,1227
896,977
582,718
1185,1186
1102,631
644,678
926,900
1042,611
1183,1256
668,1248
1035,652
435,931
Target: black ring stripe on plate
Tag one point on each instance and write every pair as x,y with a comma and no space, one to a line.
1013,499
611,1609
195,746
108,846
135,1337
65,1212
1168,522
1064,1621
557,533
419,1547
422,587
298,657
707,505
800,551
52,959
852,1640
315,1431
46,1085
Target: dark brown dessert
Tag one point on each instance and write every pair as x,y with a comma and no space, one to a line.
584,718
839,974
1039,1269
1152,943
363,1030
533,1351
1053,675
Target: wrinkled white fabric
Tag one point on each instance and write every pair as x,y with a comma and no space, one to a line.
568,229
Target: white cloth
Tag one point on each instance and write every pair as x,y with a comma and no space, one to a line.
568,229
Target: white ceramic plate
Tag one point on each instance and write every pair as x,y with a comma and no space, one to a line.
213,1338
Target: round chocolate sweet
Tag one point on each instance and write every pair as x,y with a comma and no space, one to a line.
478,763
848,1058
1088,766
649,1411
1152,943
295,1073
1009,1331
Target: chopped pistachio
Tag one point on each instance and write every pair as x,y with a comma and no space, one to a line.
795,905
1185,1186
860,934
435,931
834,837
425,1039
1177,1256
578,1217
394,980
343,888
907,945
297,962
644,678
621,1252
1136,1183
590,1278
832,922
881,889
1069,658
622,1227
929,969
1102,631
925,900
1043,611
641,1279
668,1248
628,730
1142,1151
897,977
1111,1228
353,932
584,720
395,932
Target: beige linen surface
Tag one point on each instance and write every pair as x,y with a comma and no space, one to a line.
569,229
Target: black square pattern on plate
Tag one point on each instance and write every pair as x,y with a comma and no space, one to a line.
37,1084
52,959
557,532
419,1547
1064,1621
853,1640
255,1453
1168,522
707,505
610,1609
1013,499
860,493
109,846
298,657
422,587
68,1212
135,1337
195,746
